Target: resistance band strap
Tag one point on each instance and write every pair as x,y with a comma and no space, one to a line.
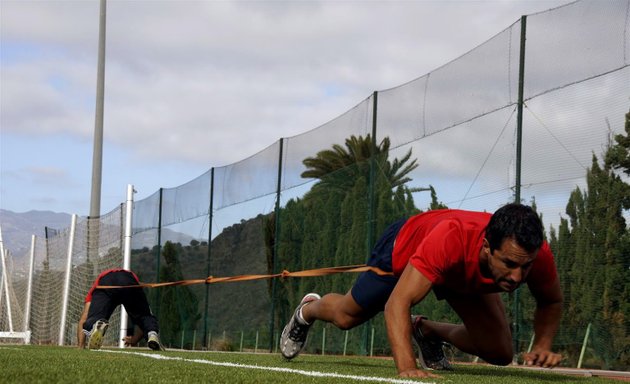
285,273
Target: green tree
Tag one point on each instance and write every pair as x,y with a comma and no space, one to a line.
592,246
179,307
338,168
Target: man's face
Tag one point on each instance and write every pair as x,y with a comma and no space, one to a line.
508,265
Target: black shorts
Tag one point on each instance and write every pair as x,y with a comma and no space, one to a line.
372,291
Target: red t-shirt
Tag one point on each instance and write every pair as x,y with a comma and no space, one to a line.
88,297
444,246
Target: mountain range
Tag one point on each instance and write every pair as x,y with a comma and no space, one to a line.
17,228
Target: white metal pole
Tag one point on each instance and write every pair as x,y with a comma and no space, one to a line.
1,275
5,279
29,289
126,257
66,288
1,288
588,331
97,154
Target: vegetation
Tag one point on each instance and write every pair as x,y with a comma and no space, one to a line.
592,249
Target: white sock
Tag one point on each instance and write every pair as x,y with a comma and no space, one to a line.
300,318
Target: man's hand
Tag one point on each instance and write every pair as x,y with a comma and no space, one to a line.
417,373
133,340
80,334
129,341
545,359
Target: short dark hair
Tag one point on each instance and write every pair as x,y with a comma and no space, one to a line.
516,221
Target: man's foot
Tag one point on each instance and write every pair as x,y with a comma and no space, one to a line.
431,352
153,341
96,334
293,338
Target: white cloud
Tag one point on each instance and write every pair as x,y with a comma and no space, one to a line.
210,83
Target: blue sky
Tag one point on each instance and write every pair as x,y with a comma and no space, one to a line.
192,85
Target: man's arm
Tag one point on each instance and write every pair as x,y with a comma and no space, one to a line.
80,334
546,323
411,288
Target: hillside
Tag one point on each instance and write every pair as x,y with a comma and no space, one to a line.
17,228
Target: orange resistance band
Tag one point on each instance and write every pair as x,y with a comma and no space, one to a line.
285,273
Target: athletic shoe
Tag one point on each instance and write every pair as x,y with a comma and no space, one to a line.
430,352
153,341
293,338
96,335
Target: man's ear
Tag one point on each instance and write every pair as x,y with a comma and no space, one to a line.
485,247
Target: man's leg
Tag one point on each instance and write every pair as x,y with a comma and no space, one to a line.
138,309
96,323
369,293
340,310
485,330
101,308
366,298
137,306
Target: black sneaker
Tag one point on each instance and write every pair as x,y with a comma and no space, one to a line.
431,352
153,341
293,338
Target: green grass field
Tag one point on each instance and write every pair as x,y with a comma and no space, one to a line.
48,364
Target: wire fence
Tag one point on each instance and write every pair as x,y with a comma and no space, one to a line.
528,115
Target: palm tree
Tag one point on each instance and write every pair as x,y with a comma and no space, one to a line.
339,168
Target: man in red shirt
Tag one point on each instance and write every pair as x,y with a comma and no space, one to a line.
100,303
467,258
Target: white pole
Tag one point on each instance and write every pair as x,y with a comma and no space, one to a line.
5,279
588,331
97,153
29,289
126,257
1,288
66,288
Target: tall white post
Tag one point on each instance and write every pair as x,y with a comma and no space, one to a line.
5,280
126,257
66,287
29,289
1,288
588,332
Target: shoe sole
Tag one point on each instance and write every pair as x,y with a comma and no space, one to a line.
421,360
154,345
424,365
96,338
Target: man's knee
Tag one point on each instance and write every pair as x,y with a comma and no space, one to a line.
502,360
498,356
345,322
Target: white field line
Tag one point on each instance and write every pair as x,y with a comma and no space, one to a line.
273,369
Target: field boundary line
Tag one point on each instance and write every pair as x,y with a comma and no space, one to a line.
273,369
